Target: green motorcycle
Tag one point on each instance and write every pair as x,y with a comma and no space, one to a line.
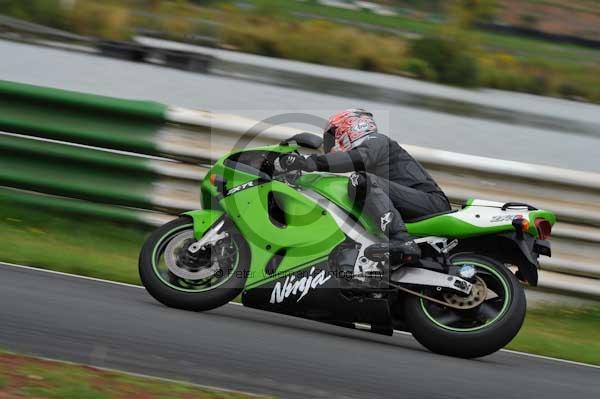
293,243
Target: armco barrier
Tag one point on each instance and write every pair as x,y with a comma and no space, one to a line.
80,118
139,161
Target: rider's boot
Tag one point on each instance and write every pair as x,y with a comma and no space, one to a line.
400,250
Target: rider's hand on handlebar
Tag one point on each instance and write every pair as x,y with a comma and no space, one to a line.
292,162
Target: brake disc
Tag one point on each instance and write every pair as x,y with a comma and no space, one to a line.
178,245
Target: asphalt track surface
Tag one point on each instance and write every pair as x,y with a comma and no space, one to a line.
119,326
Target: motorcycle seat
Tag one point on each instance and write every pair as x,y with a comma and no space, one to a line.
421,218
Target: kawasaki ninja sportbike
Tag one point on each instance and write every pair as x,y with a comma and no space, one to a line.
293,243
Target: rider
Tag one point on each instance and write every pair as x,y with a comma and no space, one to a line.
388,183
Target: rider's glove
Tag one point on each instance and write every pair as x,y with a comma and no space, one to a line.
291,162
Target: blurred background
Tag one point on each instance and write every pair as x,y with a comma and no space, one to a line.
111,111
535,47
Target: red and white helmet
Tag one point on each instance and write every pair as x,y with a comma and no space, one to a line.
347,127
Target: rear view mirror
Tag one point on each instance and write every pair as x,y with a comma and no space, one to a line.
307,140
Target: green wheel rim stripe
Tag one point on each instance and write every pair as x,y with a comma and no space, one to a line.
157,273
498,316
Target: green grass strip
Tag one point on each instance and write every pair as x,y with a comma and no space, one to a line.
72,243
29,377
563,332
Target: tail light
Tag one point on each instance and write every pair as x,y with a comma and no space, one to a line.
544,228
520,223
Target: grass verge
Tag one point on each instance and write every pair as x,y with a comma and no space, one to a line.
70,243
23,376
565,333
107,250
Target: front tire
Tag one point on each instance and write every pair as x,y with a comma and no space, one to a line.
472,332
172,239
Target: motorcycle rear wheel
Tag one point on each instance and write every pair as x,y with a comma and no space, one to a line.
217,289
475,332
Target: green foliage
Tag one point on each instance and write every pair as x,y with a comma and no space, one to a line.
466,13
503,71
451,61
571,90
46,12
420,69
176,19
505,79
304,40
104,19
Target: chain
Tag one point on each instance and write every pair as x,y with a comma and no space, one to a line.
425,297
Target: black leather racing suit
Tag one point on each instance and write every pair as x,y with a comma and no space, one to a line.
388,183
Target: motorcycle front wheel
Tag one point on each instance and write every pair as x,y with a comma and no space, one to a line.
489,318
206,280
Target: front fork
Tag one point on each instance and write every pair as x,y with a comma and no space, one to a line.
204,220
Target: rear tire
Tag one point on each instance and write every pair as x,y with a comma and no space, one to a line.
159,285
470,342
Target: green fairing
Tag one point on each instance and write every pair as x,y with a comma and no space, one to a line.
203,220
549,216
450,226
442,226
335,189
233,177
309,233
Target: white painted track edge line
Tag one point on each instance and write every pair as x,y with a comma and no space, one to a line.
39,269
398,332
550,358
98,280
